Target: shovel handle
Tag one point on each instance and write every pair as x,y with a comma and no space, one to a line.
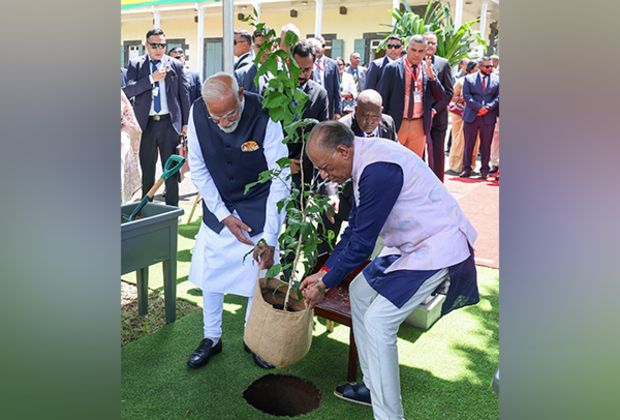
155,187
169,169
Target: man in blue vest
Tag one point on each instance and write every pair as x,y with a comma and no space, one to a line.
231,141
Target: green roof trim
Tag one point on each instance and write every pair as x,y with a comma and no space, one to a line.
134,4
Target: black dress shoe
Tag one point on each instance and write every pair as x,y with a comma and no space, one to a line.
483,176
354,392
203,353
465,174
494,169
257,360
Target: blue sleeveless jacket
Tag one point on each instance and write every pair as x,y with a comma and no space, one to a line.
232,168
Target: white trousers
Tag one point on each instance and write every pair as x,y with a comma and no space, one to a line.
375,324
213,306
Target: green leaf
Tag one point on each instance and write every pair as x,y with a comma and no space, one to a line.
283,162
274,99
274,270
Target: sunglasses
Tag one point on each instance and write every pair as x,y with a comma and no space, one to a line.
235,42
487,66
158,46
395,46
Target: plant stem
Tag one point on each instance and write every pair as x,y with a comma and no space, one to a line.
303,218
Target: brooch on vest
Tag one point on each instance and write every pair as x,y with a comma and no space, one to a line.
249,146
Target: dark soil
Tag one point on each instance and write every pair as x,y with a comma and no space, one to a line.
277,300
283,395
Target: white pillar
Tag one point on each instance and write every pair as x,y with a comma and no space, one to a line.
395,5
201,41
228,59
157,23
318,18
458,15
484,6
256,5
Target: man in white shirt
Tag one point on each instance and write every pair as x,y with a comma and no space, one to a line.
231,141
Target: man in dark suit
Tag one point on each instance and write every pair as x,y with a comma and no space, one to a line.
245,76
193,78
316,107
358,72
481,94
243,42
367,121
161,104
436,151
411,93
327,75
393,49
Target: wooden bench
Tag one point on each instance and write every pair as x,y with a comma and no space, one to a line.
336,307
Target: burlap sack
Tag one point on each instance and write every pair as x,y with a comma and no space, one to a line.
278,337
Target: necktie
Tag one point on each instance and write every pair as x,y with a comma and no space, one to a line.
156,98
356,80
484,85
370,135
412,92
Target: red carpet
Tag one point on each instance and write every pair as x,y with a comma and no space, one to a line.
479,200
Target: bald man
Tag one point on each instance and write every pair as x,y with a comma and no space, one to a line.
366,121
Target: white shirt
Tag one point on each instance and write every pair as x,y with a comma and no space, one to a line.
348,84
162,91
319,71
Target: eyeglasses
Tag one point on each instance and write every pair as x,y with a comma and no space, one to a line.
431,43
395,46
235,42
230,116
158,46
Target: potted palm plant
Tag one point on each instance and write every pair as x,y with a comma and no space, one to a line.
453,43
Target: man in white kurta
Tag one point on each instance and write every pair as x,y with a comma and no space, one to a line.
231,140
427,240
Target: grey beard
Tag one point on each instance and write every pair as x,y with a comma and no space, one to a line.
231,127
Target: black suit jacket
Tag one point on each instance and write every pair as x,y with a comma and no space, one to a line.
332,86
245,77
194,84
387,129
375,70
177,90
316,108
444,74
393,93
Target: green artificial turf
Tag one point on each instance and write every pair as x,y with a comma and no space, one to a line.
445,371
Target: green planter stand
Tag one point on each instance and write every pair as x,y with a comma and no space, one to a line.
149,241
